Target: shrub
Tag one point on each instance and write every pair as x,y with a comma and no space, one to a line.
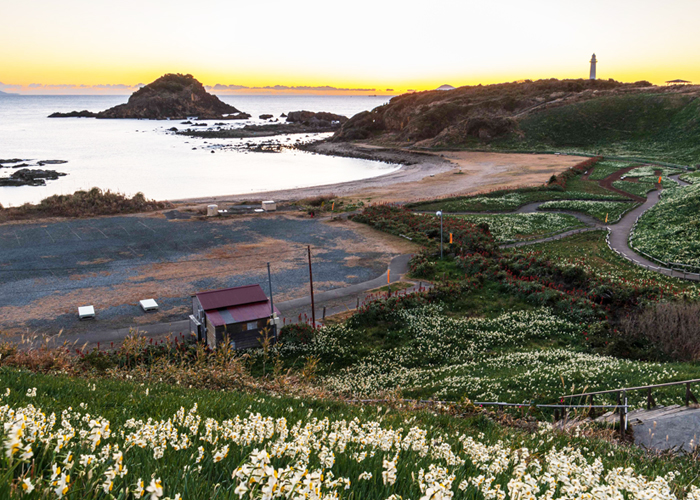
84,204
673,328
298,333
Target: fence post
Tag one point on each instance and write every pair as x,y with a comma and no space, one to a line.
591,411
650,400
689,395
623,413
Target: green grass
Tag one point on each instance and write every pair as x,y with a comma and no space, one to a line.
656,127
691,177
601,210
504,201
515,227
635,188
670,230
590,252
130,409
606,168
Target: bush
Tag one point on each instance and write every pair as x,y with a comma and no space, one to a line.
299,333
671,329
84,204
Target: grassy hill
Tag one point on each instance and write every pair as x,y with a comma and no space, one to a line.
596,117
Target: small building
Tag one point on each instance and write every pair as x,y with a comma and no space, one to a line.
238,315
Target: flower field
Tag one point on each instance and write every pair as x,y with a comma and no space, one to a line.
605,168
691,177
514,227
597,209
670,231
652,171
635,188
173,443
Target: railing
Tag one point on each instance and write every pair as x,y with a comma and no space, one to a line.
622,398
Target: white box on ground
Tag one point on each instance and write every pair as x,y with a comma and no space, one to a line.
212,210
149,305
269,206
86,312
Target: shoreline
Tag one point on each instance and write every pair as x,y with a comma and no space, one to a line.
422,175
415,166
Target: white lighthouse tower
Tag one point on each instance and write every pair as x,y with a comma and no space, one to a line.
593,61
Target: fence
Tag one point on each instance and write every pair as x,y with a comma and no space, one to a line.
622,405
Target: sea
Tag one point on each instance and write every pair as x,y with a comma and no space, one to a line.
130,156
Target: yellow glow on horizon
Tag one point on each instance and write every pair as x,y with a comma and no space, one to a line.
369,45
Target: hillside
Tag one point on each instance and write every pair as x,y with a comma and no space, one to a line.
173,96
592,116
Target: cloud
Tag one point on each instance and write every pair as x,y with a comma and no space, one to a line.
322,88
125,89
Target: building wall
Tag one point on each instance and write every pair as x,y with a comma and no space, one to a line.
241,335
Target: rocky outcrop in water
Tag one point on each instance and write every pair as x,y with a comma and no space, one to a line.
30,177
316,120
74,114
172,96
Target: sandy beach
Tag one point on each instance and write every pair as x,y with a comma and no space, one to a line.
423,175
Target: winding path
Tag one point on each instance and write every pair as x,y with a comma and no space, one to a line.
618,233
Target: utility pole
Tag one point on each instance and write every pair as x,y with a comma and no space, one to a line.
272,306
440,214
311,284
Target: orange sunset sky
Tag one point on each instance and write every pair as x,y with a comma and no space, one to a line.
79,46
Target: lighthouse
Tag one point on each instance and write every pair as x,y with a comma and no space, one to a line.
593,61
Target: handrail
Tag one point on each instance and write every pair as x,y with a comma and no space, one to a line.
667,384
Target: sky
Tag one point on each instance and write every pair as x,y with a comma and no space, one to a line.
322,46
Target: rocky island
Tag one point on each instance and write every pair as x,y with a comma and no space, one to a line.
297,122
172,96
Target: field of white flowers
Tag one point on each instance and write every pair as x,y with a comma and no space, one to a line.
79,454
691,177
669,231
514,357
614,210
605,168
515,227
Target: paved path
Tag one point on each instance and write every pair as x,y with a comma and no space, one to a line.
662,428
619,233
336,301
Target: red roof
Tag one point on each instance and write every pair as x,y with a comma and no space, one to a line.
231,297
240,314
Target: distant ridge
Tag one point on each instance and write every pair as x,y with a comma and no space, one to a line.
636,120
445,87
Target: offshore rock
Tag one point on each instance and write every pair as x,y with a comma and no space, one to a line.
74,114
172,96
316,120
30,177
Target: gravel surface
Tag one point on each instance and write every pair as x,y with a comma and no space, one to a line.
49,269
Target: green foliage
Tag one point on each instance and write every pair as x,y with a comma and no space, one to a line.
606,168
663,127
670,231
514,227
84,204
613,210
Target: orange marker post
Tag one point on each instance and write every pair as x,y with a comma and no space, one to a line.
450,238
606,218
659,179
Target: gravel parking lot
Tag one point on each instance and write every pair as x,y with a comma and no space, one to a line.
48,269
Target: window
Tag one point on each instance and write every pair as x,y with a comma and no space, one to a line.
253,325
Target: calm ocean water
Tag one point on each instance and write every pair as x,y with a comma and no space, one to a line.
139,155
